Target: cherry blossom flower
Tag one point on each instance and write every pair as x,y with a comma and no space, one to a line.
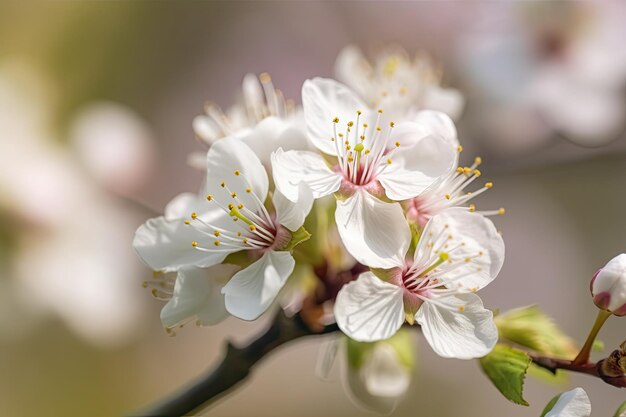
396,82
231,218
574,403
459,252
369,164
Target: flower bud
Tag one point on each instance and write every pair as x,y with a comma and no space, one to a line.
608,286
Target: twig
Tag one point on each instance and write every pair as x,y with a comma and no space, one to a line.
235,367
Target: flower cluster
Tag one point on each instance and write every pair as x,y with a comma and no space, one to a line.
375,162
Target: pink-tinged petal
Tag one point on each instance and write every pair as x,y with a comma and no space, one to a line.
324,99
458,326
374,232
574,403
252,290
292,168
369,308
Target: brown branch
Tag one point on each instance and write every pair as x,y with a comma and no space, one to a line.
235,367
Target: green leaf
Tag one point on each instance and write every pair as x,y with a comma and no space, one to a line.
357,352
550,405
297,237
506,367
531,328
559,379
621,411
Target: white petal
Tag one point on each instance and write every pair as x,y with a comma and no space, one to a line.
474,237
292,215
418,166
574,403
183,204
374,232
224,158
324,99
453,333
292,168
197,292
251,291
165,245
446,100
353,69
273,133
205,129
435,123
369,309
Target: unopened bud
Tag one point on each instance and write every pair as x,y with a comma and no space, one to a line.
608,286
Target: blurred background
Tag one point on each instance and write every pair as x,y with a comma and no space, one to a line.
96,105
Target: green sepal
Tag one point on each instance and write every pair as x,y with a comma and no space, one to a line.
297,237
506,367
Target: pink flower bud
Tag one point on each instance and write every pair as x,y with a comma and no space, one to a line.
608,286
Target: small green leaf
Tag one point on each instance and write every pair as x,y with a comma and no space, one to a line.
621,411
559,379
531,328
506,367
357,352
550,406
297,237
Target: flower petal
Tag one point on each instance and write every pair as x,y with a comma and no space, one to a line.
369,308
416,167
435,123
292,168
446,100
458,326
197,292
225,159
165,245
292,215
183,204
574,403
252,290
324,99
375,233
478,252
353,69
272,133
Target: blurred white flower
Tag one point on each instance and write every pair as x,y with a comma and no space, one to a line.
115,146
264,121
574,403
608,286
396,82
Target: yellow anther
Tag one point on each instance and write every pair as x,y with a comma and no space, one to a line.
144,284
365,125
238,234
336,120
252,228
358,112
233,194
248,190
367,151
245,240
397,144
348,147
501,211
459,170
467,170
489,185
447,196
216,233
402,91
237,172
350,159
481,253
209,197
474,289
389,161
446,226
347,143
340,135
264,77
468,259
362,137
380,110
459,148
231,206
461,308
378,128
240,206
186,221
472,208
222,184
392,124
194,215
350,123
478,160
194,243
477,172
216,242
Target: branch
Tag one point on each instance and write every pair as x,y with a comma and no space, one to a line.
235,367
604,369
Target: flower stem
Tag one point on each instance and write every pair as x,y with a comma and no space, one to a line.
583,355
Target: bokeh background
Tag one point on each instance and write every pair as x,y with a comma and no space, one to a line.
96,104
